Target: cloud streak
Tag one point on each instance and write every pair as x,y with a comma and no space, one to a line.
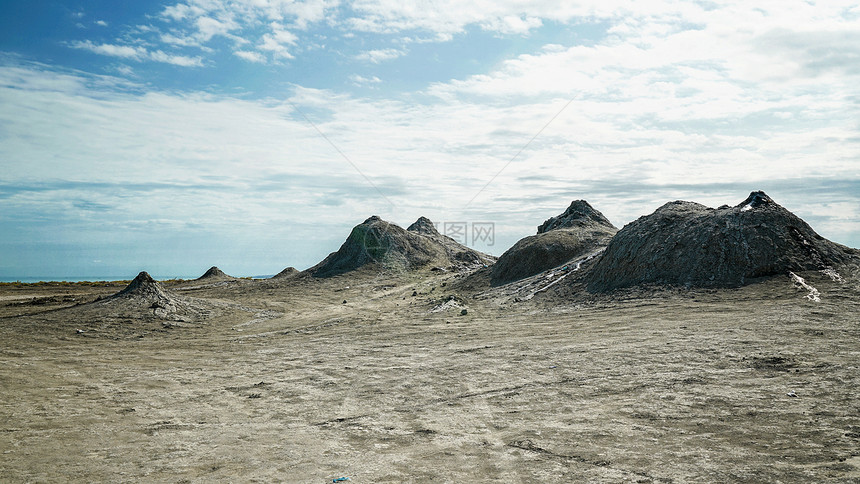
137,53
380,55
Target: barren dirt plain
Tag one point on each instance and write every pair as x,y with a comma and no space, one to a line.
381,378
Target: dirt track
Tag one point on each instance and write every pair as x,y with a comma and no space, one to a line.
286,382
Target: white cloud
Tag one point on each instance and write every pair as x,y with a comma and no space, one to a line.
195,23
124,51
452,16
277,40
138,54
208,27
182,11
101,23
302,13
363,81
511,24
643,25
125,70
189,41
177,60
380,55
215,17
250,56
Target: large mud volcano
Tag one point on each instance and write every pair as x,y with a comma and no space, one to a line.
685,243
384,245
578,231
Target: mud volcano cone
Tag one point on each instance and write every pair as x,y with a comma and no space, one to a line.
576,232
379,243
383,245
685,243
145,287
144,297
214,273
289,271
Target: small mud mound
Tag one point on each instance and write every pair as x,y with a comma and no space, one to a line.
578,231
685,243
142,286
384,245
214,273
144,297
289,271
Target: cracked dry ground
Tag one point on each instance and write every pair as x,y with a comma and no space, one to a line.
680,387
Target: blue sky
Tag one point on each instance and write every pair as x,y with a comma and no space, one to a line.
253,134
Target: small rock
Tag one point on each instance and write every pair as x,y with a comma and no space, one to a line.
464,312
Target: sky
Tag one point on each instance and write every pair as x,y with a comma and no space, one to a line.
170,136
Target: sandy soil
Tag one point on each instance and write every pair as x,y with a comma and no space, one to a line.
381,379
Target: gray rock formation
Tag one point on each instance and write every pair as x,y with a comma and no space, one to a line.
578,231
387,246
685,243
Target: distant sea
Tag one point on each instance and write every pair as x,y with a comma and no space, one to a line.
126,277
70,279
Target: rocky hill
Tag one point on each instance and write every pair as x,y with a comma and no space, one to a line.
578,231
387,246
685,243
